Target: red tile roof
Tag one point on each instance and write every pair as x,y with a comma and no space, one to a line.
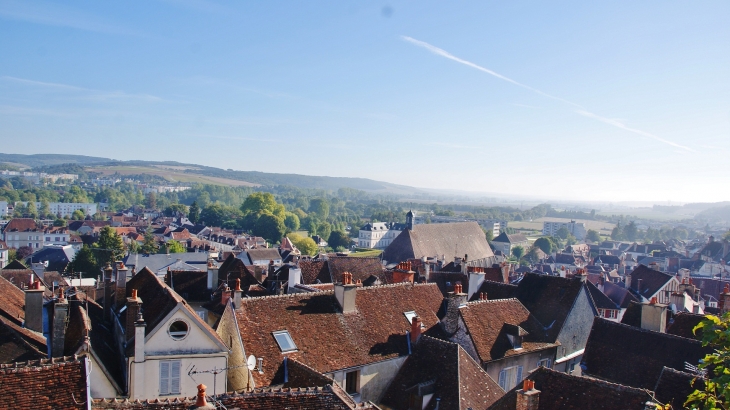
22,225
44,384
328,340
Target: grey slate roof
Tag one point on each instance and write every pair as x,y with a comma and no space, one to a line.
159,261
448,240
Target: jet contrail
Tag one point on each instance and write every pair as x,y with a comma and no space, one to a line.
581,110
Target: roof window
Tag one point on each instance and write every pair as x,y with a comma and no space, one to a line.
409,316
286,344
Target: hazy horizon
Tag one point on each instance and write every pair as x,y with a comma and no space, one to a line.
570,101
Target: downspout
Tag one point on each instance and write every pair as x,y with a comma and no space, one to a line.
408,340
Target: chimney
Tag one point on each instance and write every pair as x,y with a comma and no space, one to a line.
212,274
60,317
108,291
654,316
345,293
415,329
237,294
139,357
133,310
505,272
271,268
450,322
225,296
295,277
121,285
476,278
724,302
427,267
463,265
528,398
200,402
34,306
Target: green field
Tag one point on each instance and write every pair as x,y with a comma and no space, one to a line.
172,175
366,254
604,228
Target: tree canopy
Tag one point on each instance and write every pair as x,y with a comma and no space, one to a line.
305,245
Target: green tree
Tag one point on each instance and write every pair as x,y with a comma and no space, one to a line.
110,246
489,234
291,221
134,247
319,207
616,233
518,252
630,231
714,391
149,246
46,209
150,201
214,215
78,215
593,236
84,263
175,247
269,227
22,253
545,244
59,222
339,239
262,201
324,230
31,210
305,245
194,212
562,233
175,209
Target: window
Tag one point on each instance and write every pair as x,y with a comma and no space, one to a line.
543,363
201,313
178,330
351,382
409,316
509,377
286,344
169,377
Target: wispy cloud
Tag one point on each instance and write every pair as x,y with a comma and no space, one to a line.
580,109
59,16
85,93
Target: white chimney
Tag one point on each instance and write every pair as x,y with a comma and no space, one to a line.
476,278
295,277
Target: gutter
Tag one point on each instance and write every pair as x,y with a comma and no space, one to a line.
570,356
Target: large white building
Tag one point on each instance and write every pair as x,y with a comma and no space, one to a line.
378,235
577,229
67,209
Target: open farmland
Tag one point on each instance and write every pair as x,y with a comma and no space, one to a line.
172,175
604,228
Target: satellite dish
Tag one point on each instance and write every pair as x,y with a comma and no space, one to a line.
251,362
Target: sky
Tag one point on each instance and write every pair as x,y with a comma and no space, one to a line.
573,100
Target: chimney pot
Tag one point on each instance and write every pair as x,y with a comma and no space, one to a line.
415,329
200,401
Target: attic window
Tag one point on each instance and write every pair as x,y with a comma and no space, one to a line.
409,316
286,344
178,330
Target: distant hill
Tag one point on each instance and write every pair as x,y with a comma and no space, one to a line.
251,177
715,214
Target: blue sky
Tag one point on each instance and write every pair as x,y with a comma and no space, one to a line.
567,100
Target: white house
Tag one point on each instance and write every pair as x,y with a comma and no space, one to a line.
378,235
577,229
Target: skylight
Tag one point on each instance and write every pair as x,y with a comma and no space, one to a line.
286,344
409,316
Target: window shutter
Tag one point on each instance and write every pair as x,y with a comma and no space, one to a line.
502,376
519,375
175,377
164,378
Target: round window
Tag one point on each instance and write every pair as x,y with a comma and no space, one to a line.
178,330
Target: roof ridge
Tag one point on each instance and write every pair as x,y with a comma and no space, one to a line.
286,295
40,363
476,302
660,334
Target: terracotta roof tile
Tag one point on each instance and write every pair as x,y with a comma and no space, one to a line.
22,225
446,240
44,384
328,340
683,324
560,391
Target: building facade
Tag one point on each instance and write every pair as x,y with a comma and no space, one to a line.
577,229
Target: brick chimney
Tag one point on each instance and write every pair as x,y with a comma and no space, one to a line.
505,272
654,316
450,322
121,285
345,293
108,293
237,294
34,306
272,269
415,329
724,302
134,305
528,398
212,274
60,317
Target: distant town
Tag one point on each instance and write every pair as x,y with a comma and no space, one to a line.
134,291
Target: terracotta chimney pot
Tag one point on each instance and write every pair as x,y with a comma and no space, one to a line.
238,285
201,402
134,293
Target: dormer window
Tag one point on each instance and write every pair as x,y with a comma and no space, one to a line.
283,338
516,341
